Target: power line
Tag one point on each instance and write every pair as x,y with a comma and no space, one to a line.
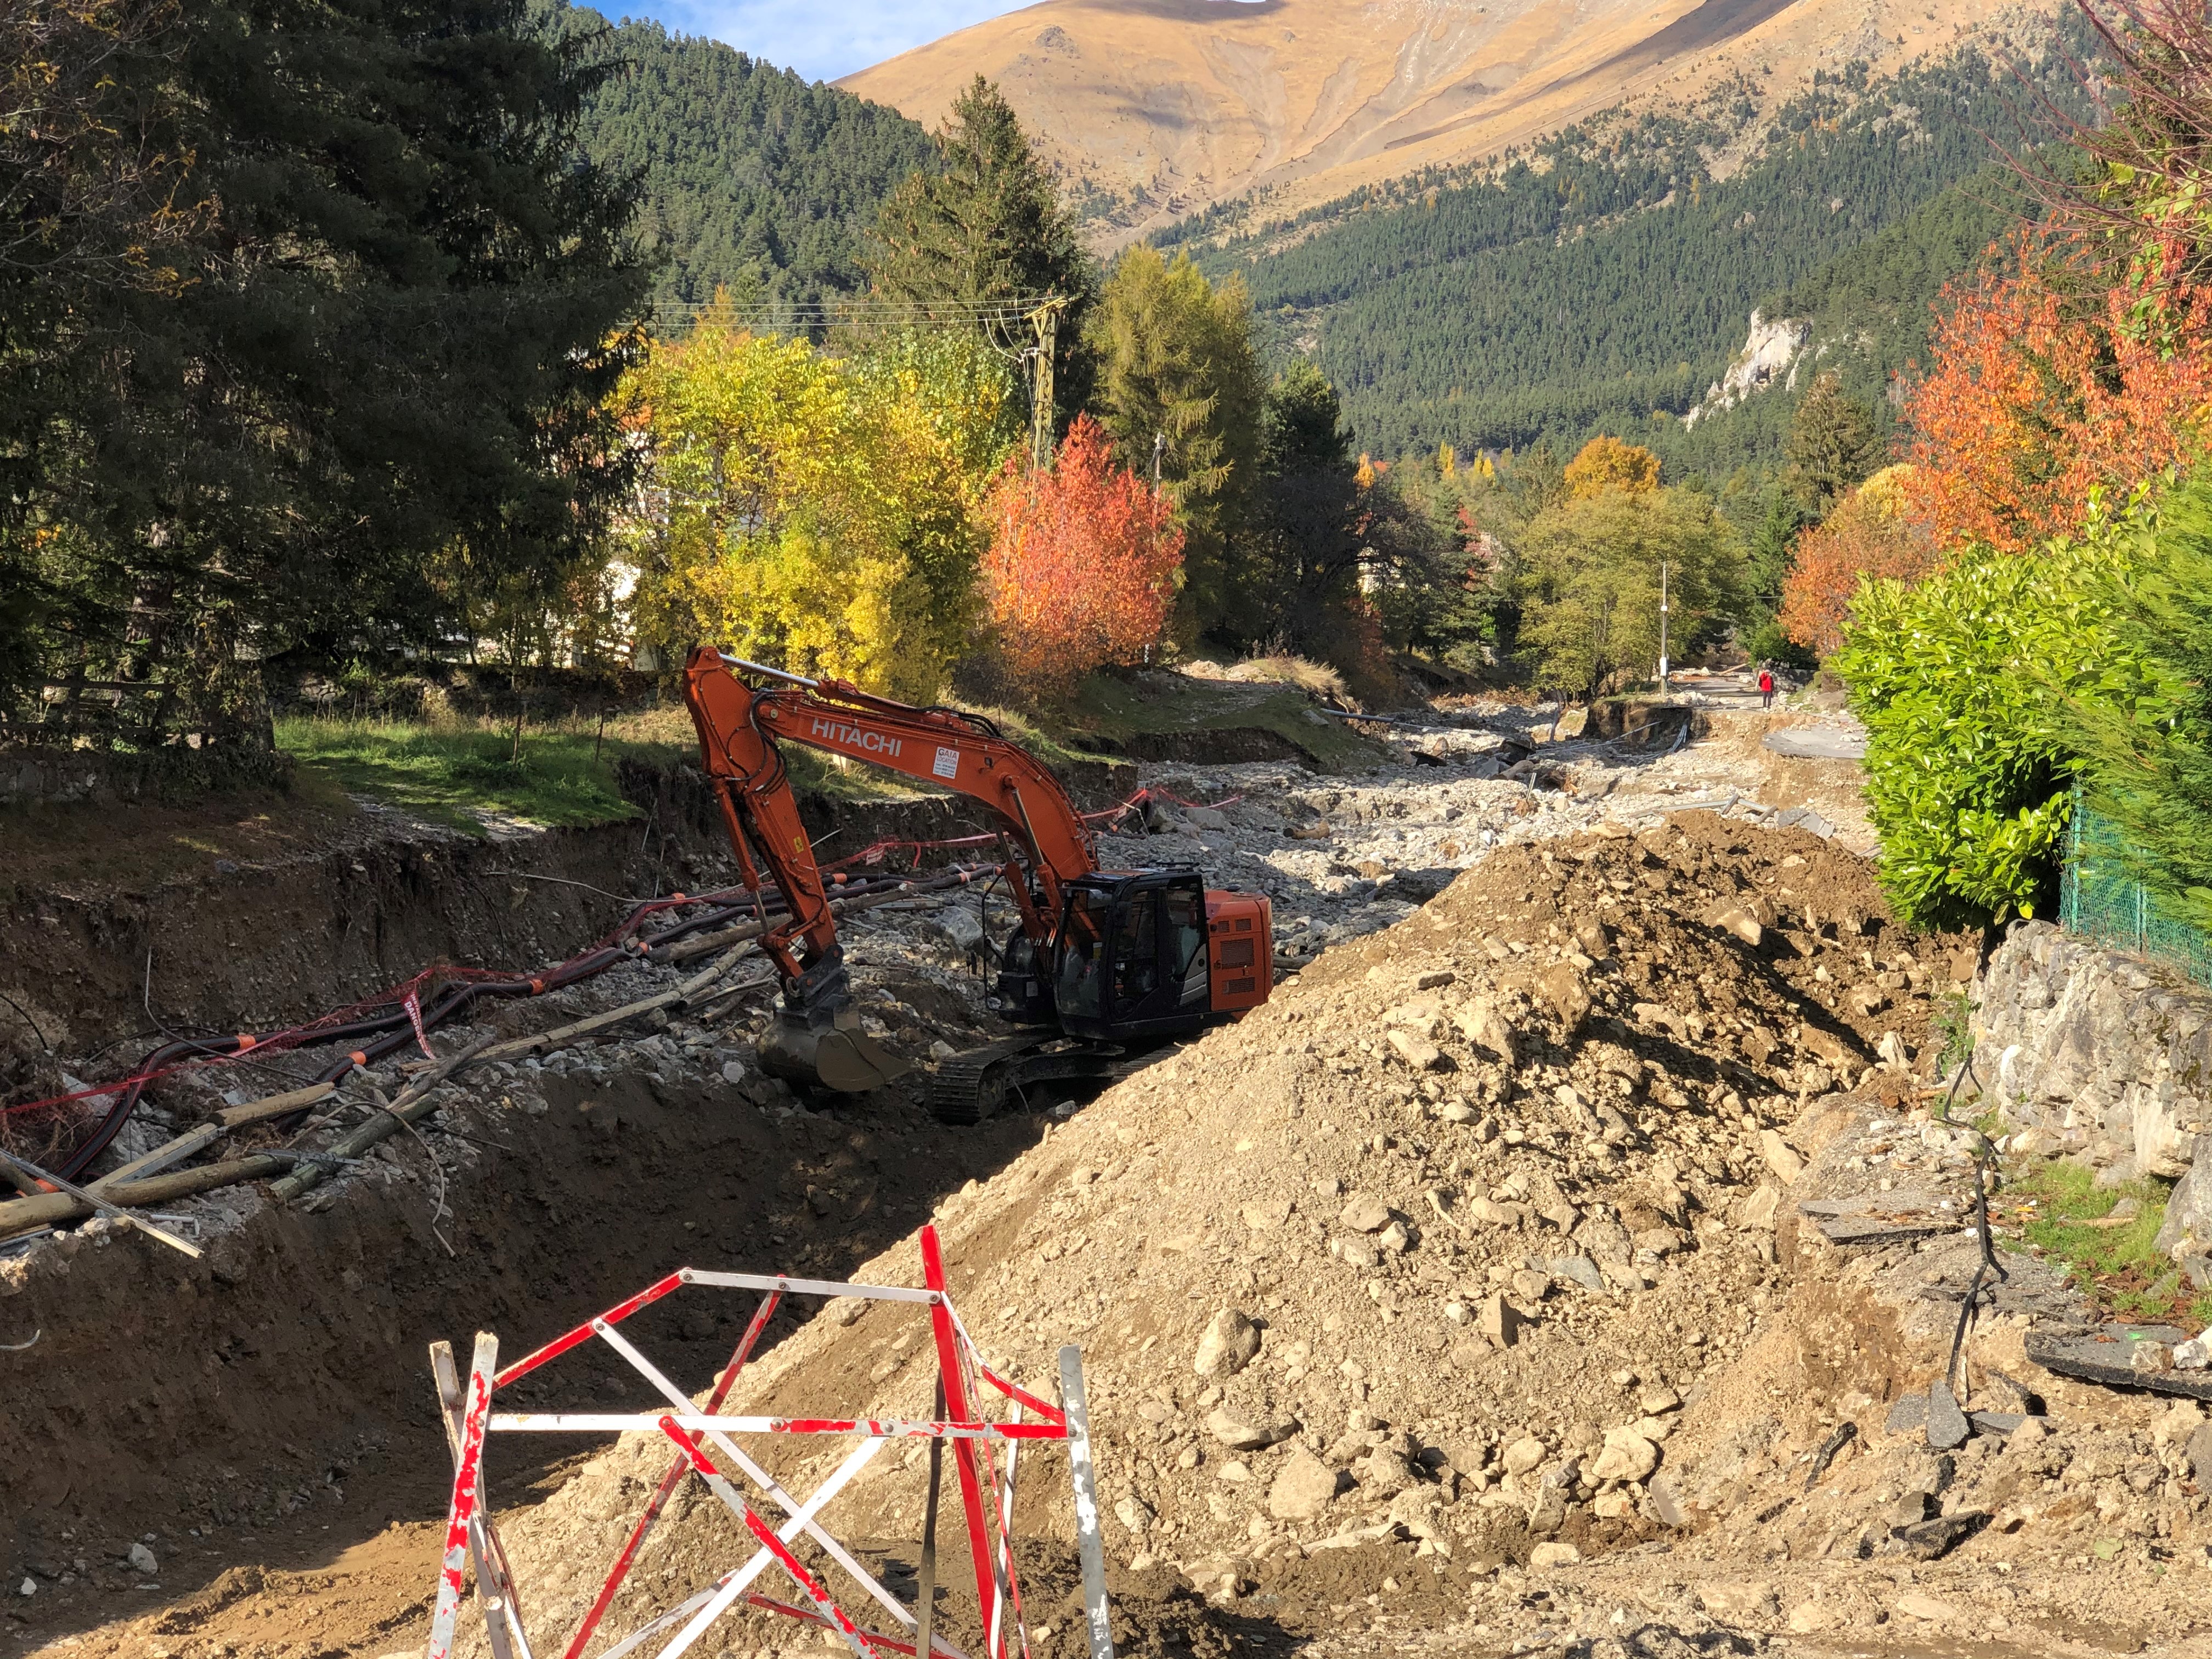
1015,311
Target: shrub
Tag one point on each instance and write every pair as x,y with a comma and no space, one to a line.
2147,760
1965,683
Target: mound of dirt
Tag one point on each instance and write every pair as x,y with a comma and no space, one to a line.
1406,1276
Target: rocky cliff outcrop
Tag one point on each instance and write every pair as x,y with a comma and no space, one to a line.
1770,357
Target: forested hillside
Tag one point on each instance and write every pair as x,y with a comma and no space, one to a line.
754,179
1868,310
1608,277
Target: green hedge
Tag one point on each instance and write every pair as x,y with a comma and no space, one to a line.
1970,684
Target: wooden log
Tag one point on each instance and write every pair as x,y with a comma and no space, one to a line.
414,1102
104,1206
46,1209
168,1152
257,1111
561,1035
54,1209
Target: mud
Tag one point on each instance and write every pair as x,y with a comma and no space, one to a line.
275,1390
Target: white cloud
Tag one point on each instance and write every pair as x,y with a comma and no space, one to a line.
821,38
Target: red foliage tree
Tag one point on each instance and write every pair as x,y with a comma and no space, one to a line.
1084,566
2049,378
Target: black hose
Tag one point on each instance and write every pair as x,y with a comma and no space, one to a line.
373,1038
376,1037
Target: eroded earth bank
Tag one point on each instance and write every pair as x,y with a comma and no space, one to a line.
1554,1265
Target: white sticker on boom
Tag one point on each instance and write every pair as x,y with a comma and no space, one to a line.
948,763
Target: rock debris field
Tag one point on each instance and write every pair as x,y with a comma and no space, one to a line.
1559,1264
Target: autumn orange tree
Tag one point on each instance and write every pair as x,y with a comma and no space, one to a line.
2049,382
1872,535
1083,564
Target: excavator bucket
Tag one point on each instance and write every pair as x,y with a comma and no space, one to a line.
842,1057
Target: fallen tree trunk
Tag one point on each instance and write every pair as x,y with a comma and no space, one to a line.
52,1209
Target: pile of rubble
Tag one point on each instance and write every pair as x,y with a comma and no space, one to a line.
1411,1275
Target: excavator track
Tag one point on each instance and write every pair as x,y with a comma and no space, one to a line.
972,1087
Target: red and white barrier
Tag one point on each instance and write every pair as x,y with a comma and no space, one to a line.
984,1452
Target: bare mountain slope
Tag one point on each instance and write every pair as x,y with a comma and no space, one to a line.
1158,109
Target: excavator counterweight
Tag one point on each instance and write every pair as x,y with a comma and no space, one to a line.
1107,957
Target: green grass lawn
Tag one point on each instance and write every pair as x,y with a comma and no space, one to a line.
454,772
460,772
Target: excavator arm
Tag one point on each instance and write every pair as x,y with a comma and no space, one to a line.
740,727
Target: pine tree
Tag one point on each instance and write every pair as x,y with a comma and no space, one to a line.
1831,447
1175,361
387,339
989,225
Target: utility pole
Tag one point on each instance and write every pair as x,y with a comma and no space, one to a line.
1159,450
1662,627
1045,319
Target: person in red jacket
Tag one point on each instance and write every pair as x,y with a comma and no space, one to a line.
1766,687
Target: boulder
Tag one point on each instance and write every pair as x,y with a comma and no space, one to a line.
1525,1454
1564,987
1365,1215
1482,1024
1737,920
1738,1598
1227,1344
1628,1456
1417,1051
1384,1472
1304,1488
2187,1230
1245,1430
1758,1211
954,925
1499,1321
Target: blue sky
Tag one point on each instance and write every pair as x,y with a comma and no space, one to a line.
820,38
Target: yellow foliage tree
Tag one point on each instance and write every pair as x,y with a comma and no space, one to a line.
821,513
1605,464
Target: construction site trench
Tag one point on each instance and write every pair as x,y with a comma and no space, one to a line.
1482,1293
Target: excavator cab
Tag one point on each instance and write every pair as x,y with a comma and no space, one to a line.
1143,955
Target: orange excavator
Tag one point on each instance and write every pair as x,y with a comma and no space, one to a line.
1105,961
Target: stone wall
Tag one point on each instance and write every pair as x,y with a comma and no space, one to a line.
2107,1055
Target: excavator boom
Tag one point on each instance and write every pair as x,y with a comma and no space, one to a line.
1051,869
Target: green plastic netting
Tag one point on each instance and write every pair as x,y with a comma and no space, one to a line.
2100,901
